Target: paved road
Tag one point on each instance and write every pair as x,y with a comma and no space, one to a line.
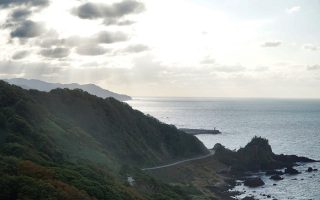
179,162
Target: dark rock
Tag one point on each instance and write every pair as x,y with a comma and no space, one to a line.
268,196
309,169
291,171
274,184
238,183
315,170
276,178
253,182
293,158
274,172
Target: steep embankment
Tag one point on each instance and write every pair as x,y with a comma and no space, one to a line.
68,143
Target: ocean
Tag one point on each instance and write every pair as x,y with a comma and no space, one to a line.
292,126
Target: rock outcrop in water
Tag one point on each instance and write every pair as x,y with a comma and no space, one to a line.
276,178
256,155
253,182
291,171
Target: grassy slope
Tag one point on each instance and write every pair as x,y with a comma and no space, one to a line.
67,144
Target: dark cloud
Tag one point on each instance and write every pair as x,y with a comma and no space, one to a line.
58,52
89,11
271,44
313,67
20,14
20,55
137,48
17,21
16,17
28,29
110,37
110,13
91,50
29,3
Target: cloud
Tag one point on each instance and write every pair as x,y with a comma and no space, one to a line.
49,42
58,52
271,44
28,29
125,23
103,37
313,67
229,68
29,3
110,37
16,17
261,69
112,21
137,48
110,13
293,9
20,14
208,60
20,55
31,70
311,47
91,50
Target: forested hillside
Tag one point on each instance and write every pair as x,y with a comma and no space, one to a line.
68,143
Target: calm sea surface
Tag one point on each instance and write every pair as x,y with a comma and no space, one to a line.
291,126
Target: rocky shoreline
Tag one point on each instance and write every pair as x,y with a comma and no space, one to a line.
252,185
257,157
217,176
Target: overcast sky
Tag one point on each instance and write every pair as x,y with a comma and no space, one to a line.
205,48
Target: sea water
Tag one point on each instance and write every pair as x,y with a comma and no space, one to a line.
292,126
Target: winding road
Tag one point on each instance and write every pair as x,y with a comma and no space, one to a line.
180,162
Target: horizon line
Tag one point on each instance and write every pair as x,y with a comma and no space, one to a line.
236,97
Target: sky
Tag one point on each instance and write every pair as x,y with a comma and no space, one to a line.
196,48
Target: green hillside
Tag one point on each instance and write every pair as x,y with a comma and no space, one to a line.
68,144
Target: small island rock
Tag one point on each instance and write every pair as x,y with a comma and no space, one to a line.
310,169
276,178
291,171
253,182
